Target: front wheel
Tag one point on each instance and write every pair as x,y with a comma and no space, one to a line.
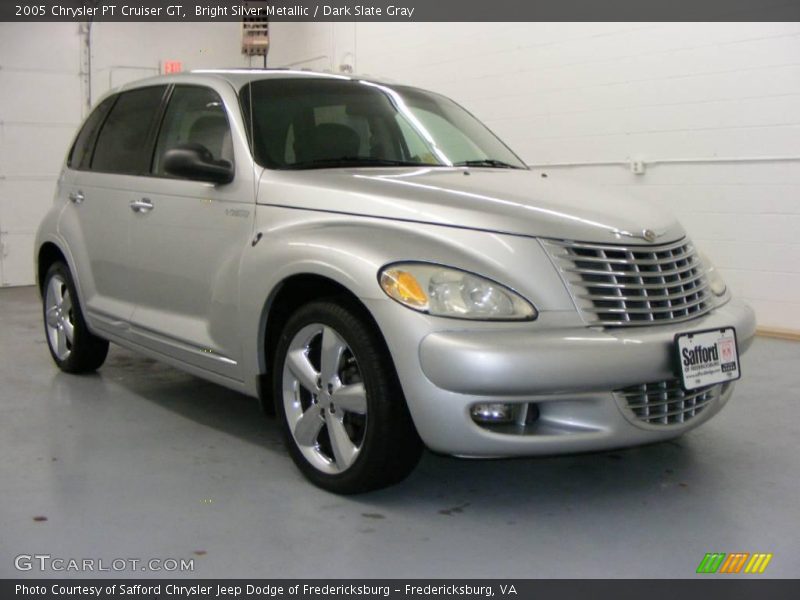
73,347
343,413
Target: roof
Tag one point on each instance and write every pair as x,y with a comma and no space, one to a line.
239,77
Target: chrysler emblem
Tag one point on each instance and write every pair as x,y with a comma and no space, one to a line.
647,235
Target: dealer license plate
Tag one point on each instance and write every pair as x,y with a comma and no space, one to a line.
708,357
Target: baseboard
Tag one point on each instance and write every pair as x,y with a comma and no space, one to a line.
782,334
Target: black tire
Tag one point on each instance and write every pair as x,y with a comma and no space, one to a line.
85,352
386,441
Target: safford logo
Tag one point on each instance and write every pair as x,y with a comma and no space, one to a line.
700,355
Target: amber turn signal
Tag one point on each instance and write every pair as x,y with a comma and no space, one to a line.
404,287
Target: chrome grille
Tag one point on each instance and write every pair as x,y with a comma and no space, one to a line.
633,285
665,402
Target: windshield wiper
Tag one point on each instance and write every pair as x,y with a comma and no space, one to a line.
355,161
486,162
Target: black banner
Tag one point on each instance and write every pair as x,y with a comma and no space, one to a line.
704,587
400,10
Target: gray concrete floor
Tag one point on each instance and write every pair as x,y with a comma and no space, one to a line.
143,461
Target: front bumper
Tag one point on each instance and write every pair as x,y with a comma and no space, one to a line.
569,373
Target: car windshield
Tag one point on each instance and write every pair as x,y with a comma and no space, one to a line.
316,123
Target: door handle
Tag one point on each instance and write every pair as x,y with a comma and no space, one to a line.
76,197
142,206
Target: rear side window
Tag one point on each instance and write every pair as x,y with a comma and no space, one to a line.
122,144
195,115
81,153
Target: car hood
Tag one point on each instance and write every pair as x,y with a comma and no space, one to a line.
499,200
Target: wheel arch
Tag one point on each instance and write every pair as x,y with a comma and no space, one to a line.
48,254
289,294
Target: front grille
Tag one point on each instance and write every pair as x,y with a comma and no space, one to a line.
616,286
665,402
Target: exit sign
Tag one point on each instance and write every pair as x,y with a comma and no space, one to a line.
171,66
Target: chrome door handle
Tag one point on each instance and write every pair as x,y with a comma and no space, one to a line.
142,206
76,197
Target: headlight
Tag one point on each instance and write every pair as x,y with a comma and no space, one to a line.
715,281
447,292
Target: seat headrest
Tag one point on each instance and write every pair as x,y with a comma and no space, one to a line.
211,131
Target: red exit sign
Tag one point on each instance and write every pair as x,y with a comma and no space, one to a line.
171,66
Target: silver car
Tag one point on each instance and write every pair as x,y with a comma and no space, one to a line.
379,269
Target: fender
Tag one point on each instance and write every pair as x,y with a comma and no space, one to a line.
350,251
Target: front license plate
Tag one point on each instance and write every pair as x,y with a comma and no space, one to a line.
708,357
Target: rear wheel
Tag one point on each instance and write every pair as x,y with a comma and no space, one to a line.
73,347
343,413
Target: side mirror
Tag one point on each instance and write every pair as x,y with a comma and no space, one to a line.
195,161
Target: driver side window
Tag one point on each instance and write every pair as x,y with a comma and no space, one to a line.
195,115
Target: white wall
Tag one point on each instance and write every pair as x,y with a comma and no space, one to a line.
40,106
43,97
571,95
123,52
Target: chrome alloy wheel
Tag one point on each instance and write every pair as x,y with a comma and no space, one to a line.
59,317
324,398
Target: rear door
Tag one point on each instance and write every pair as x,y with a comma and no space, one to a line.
189,236
105,164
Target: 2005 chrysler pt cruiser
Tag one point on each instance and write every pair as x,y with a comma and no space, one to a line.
376,265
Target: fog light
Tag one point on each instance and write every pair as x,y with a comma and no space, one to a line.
718,287
492,413
715,281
